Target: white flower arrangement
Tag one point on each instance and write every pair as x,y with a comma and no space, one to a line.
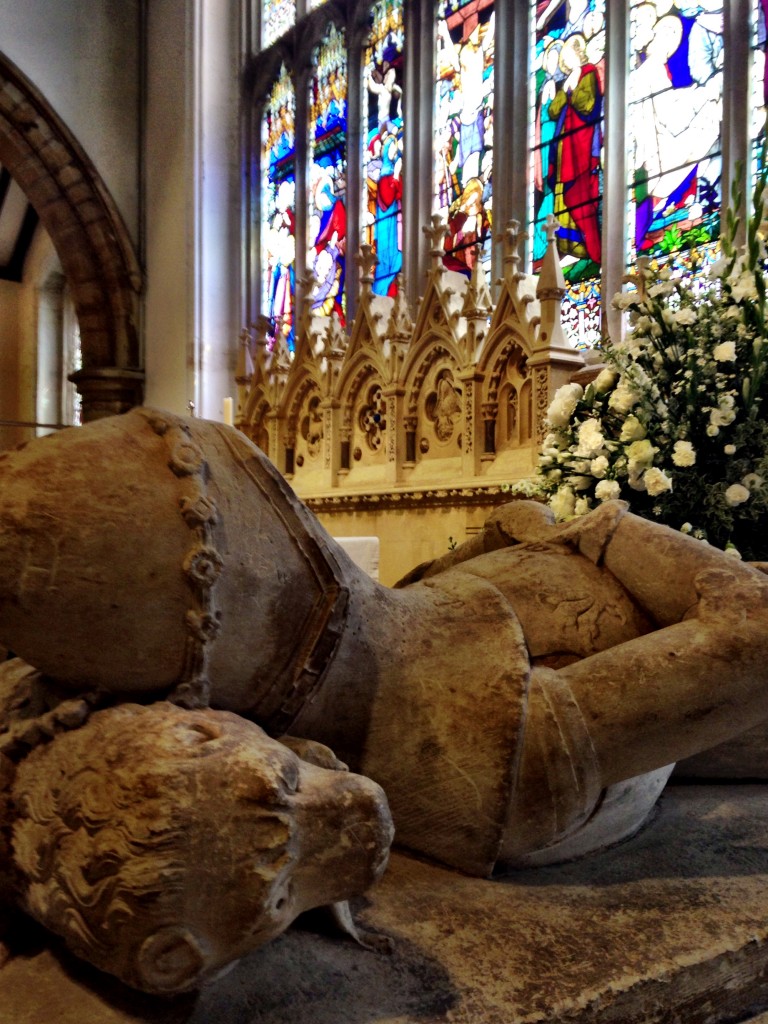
677,422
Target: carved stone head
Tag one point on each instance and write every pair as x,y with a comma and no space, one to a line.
162,843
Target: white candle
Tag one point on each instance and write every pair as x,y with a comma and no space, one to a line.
228,417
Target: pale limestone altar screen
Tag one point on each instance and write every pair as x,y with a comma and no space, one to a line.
432,413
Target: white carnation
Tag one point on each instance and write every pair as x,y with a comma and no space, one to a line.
725,352
563,404
632,430
607,490
736,494
657,481
599,467
563,503
684,453
591,440
604,381
623,398
685,315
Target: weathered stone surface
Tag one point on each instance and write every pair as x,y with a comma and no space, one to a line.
162,844
668,928
510,699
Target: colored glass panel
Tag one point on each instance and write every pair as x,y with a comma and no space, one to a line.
277,16
759,102
382,218
463,187
568,89
673,120
327,175
279,209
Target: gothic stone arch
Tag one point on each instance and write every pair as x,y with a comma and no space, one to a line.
86,229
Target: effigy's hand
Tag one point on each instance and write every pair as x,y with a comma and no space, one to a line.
591,534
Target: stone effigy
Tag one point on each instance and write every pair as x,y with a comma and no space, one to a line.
519,700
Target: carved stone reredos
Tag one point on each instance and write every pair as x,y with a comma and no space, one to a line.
175,841
212,529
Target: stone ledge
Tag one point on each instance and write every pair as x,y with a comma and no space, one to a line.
669,927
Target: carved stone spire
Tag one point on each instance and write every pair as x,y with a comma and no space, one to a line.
366,260
400,323
550,292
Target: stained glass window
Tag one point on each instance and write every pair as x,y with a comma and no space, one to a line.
382,219
277,16
568,86
674,111
279,207
759,82
327,174
463,189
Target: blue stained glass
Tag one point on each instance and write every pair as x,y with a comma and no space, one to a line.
463,187
383,143
327,175
279,208
673,121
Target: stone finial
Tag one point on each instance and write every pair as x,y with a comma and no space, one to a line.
511,237
366,259
477,299
400,323
436,232
245,363
551,280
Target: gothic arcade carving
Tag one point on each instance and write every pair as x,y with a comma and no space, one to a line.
456,394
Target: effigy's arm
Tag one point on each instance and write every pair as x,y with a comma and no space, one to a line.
701,677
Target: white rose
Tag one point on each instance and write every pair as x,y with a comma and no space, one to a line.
752,480
632,430
562,503
657,481
599,467
736,494
684,453
725,352
607,490
563,404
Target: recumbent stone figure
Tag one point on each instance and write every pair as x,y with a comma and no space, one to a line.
518,701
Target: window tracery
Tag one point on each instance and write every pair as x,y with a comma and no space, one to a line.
360,75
